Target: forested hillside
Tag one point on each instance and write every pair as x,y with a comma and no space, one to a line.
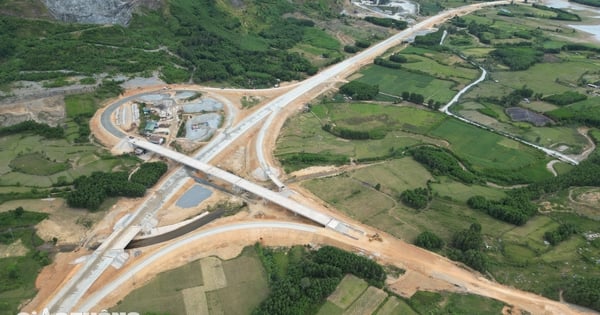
244,43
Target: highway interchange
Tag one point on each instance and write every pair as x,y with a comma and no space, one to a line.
70,296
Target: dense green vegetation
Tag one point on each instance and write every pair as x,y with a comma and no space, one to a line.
585,292
387,22
149,173
565,98
34,127
219,41
417,198
18,273
518,58
296,161
302,281
515,209
91,191
359,90
562,233
440,162
429,240
468,245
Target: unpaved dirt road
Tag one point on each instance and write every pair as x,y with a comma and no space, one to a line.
432,270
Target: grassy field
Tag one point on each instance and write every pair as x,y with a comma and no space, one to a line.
303,132
246,286
396,81
447,188
486,150
454,303
348,291
43,166
352,296
18,272
244,274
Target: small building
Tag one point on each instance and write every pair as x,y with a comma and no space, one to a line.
150,126
156,139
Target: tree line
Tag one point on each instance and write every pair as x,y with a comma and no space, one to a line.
440,162
516,209
90,191
312,278
417,198
359,90
387,22
40,129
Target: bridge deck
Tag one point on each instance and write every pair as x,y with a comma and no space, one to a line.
258,190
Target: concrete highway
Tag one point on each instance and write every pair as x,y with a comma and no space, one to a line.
70,292
94,299
222,141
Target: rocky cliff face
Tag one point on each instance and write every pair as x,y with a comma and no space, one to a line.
95,11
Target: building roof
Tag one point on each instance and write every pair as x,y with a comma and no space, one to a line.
150,125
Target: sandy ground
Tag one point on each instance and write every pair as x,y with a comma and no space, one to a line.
425,270
60,216
14,249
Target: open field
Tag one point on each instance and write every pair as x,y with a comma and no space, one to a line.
303,133
396,81
57,160
448,188
351,196
454,303
485,150
19,266
353,297
242,288
348,291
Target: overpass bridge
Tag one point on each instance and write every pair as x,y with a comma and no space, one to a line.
274,197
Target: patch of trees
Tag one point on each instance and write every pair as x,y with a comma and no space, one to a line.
518,58
387,22
359,90
18,217
399,58
37,128
149,173
516,96
413,97
560,14
467,248
562,233
90,191
362,44
584,292
309,281
565,98
587,173
351,49
387,63
429,240
440,162
351,134
417,198
429,40
294,161
516,209
587,115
